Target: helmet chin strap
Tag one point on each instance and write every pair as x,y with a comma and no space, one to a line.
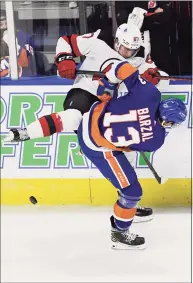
117,46
134,54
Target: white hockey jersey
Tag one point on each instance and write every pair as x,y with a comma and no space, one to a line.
98,57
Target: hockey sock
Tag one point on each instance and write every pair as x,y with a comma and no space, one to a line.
123,217
68,120
45,126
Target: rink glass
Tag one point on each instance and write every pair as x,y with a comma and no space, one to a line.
43,22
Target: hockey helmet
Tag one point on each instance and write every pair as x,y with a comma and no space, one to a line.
129,36
172,112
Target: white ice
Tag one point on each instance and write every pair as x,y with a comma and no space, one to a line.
72,244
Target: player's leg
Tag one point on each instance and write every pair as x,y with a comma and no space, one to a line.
79,99
130,192
142,213
116,168
77,102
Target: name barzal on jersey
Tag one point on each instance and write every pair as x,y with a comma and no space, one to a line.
145,124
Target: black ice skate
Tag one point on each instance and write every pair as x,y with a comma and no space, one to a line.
125,240
17,135
143,214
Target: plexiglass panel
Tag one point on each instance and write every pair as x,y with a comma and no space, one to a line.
38,25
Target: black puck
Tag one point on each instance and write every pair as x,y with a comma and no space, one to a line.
33,200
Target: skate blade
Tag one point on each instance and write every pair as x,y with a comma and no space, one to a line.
119,246
138,219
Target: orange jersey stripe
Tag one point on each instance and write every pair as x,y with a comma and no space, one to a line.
95,132
125,213
115,166
23,60
125,71
4,73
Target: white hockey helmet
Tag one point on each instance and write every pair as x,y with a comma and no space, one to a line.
129,36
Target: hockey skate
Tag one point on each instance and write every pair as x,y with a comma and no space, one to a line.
143,214
16,135
125,240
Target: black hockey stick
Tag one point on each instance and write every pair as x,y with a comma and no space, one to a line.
158,178
171,78
101,74
91,73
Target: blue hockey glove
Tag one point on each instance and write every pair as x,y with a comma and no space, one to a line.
105,90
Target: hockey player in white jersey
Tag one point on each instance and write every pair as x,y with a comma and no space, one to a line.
99,57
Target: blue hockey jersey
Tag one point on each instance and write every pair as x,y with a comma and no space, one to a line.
130,122
25,55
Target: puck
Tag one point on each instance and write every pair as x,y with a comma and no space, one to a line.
33,200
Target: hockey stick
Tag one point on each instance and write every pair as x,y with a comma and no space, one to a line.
158,178
173,78
101,74
91,73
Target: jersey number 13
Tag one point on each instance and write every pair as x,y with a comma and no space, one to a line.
133,134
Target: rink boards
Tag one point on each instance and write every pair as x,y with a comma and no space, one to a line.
174,192
52,170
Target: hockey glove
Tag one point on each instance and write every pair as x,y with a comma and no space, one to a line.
105,90
137,17
66,65
150,75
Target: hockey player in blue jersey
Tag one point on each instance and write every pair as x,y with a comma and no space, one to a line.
135,122
24,48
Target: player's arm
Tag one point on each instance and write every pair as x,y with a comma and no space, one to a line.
123,72
157,16
153,16
145,20
69,47
150,72
148,69
120,71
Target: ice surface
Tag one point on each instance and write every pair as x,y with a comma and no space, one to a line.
72,244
